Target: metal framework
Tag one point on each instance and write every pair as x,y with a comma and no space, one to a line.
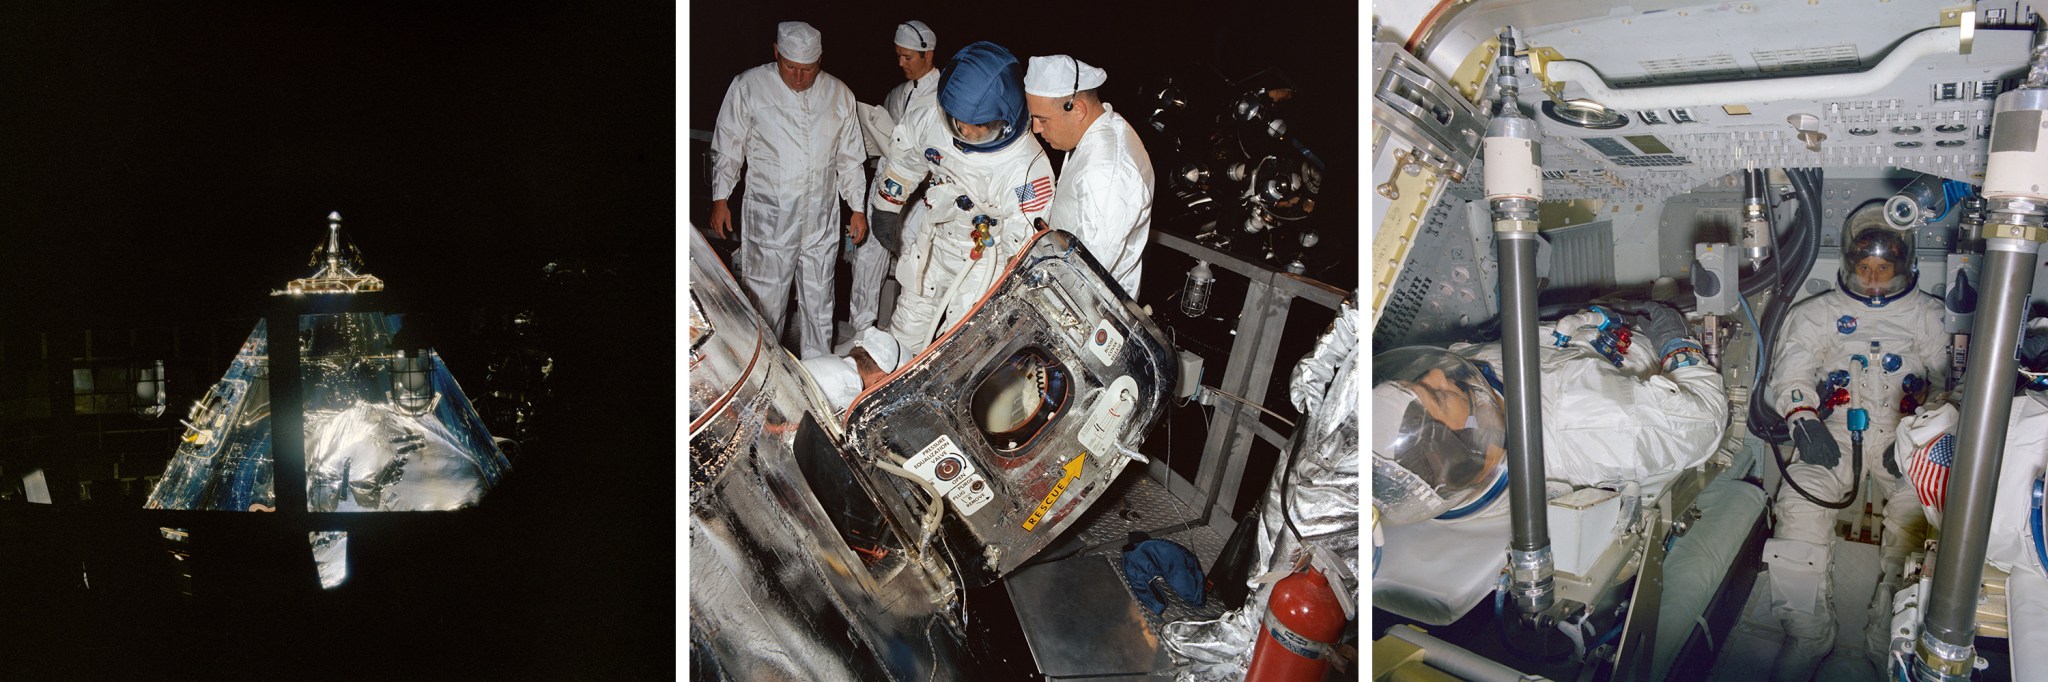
1253,354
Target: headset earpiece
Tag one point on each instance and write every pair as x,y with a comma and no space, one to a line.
921,45
1069,105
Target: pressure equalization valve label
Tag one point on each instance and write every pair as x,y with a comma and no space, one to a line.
947,468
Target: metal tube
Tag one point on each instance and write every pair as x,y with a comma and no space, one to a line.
1757,235
1523,394
1529,555
2013,179
1949,623
1514,188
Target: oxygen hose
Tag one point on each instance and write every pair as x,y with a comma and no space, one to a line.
1858,421
1802,250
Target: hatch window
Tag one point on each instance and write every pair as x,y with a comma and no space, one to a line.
1018,400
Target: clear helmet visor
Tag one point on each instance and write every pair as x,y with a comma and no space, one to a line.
1438,430
976,133
1877,260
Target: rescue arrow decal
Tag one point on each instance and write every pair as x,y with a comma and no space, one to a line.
1073,471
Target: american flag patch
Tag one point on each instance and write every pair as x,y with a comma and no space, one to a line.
1034,196
1929,471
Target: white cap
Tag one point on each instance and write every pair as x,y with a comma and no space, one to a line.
881,346
915,35
1054,76
798,42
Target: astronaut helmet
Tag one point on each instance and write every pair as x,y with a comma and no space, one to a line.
981,94
1437,437
2033,356
1877,260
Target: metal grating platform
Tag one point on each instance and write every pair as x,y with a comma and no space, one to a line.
1146,506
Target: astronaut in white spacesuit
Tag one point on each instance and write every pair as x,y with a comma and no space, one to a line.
793,127
915,46
990,181
1105,189
1873,345
1668,414
2015,545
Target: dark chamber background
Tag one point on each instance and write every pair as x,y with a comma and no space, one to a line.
1136,42
169,164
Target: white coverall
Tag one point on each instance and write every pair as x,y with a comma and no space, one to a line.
1823,334
940,280
871,259
802,152
1105,197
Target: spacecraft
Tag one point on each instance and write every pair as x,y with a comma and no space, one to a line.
386,427
841,546
1532,158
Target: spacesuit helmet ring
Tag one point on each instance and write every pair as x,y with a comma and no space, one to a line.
1877,260
1438,429
981,93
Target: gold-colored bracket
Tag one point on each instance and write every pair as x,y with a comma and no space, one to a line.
1964,16
1472,72
1478,65
1411,186
2032,233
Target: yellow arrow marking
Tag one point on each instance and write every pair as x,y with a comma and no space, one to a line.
1073,471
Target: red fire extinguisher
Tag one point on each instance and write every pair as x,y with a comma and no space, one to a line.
1302,620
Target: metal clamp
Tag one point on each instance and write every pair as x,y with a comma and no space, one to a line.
1530,579
2011,230
1940,660
1515,229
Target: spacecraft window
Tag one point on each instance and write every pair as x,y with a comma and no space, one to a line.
1023,395
853,512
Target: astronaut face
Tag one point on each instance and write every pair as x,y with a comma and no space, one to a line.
1874,274
799,77
1442,398
915,64
1451,408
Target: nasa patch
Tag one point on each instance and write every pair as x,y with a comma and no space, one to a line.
1846,325
932,154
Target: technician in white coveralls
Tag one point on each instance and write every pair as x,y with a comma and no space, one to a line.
1874,344
1105,190
794,129
872,358
915,46
990,181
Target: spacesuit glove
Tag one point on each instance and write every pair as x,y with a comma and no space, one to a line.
1660,323
1811,437
885,225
